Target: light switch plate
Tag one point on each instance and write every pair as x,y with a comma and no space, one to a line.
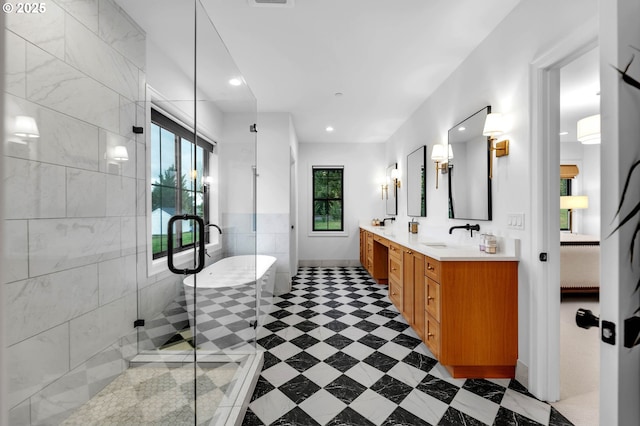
515,221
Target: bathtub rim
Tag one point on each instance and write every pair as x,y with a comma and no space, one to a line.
269,262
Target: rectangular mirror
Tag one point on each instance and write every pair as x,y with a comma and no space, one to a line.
468,169
417,182
391,192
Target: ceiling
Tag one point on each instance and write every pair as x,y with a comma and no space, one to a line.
384,57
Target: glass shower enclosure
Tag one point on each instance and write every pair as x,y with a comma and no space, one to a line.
129,152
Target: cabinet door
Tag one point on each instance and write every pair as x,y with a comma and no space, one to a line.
407,285
418,294
395,294
432,298
432,336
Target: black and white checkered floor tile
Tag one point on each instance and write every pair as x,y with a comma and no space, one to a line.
223,322
339,353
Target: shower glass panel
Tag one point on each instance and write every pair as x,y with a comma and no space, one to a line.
119,117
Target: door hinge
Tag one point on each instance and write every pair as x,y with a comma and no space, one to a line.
138,323
138,130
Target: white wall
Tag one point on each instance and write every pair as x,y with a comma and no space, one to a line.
276,142
496,74
364,166
275,139
591,188
293,200
176,87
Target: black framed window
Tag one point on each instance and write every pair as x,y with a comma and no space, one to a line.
328,198
565,216
178,162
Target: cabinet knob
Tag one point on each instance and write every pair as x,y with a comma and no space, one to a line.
430,268
430,298
430,335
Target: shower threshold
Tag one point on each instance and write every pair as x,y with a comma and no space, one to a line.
158,388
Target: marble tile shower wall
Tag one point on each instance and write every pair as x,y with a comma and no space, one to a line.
75,220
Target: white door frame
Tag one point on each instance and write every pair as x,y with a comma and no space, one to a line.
544,277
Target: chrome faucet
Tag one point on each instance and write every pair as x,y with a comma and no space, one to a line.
468,227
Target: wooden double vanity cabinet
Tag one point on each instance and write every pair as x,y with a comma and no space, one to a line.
463,306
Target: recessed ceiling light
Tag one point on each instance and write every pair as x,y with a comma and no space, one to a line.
564,133
235,82
329,129
338,94
462,129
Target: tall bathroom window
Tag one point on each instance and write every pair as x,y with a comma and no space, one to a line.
176,186
328,198
565,217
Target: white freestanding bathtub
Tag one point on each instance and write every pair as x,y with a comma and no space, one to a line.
222,304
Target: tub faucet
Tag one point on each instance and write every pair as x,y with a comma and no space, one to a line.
468,227
215,226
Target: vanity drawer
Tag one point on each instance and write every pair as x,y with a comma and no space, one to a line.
432,335
395,250
395,269
381,240
432,268
395,293
432,298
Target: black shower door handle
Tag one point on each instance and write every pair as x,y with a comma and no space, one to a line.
199,246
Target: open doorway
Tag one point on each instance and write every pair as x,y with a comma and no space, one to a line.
579,237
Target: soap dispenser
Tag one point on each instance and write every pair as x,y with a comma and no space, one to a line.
413,226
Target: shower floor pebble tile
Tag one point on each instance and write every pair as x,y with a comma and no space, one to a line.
156,396
339,353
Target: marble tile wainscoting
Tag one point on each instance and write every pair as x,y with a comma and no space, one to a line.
75,219
241,237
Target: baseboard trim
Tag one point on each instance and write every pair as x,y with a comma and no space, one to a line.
522,373
329,263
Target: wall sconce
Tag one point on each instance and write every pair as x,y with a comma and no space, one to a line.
493,126
25,127
442,161
589,130
384,186
394,179
395,176
571,203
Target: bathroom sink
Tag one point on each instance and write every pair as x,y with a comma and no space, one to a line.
435,244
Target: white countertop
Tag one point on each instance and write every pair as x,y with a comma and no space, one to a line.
508,248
